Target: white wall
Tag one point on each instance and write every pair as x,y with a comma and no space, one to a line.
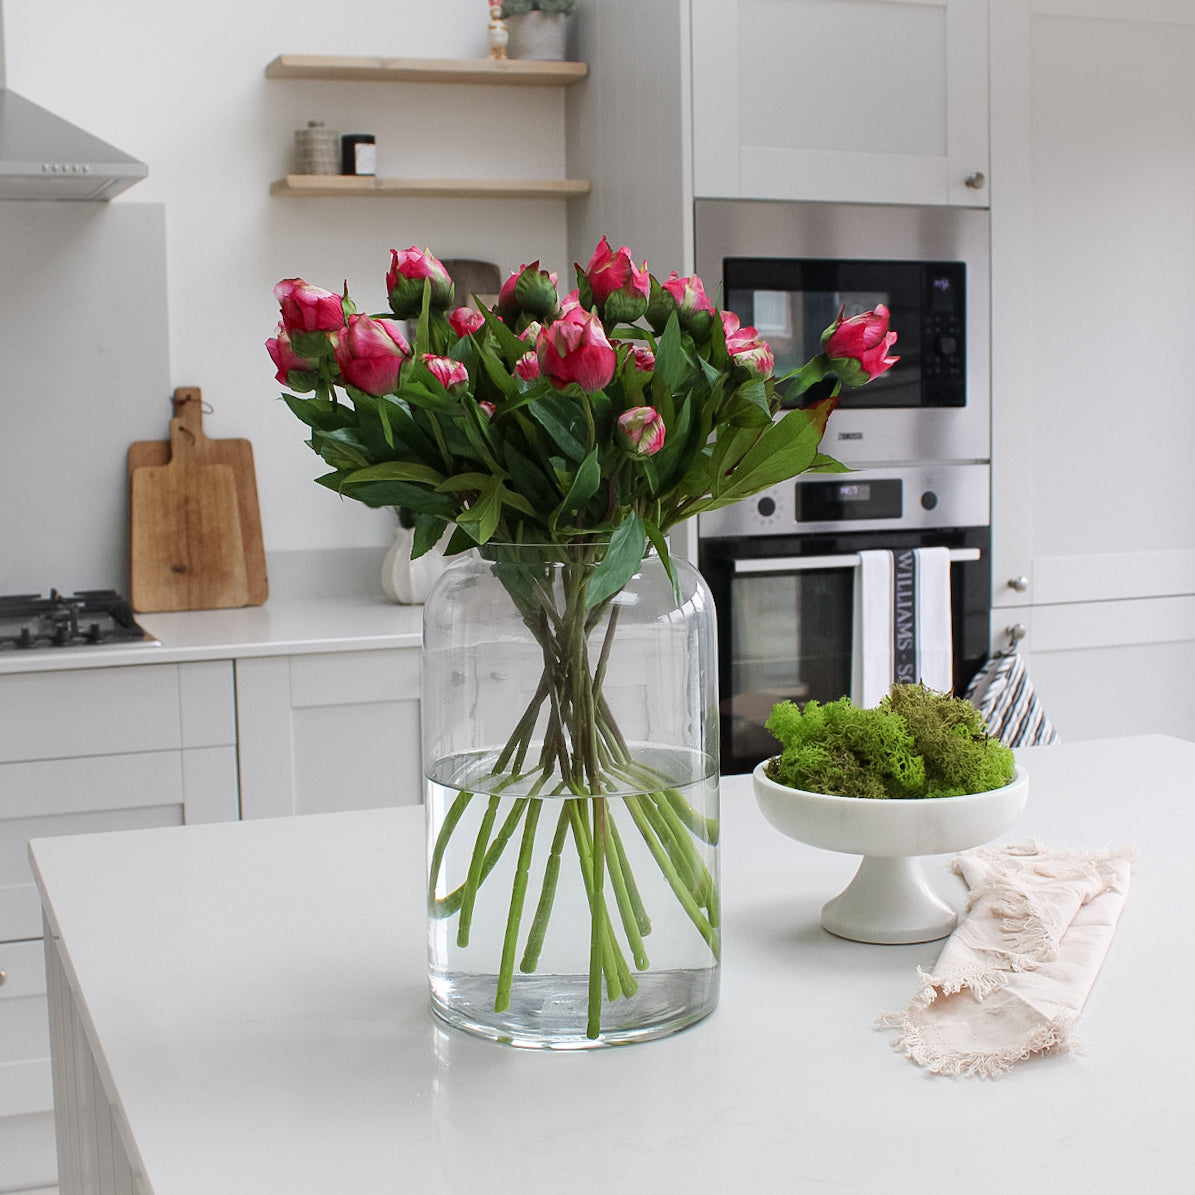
182,86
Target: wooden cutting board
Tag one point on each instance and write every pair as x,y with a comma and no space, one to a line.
238,456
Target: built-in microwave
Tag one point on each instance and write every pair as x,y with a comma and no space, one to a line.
788,269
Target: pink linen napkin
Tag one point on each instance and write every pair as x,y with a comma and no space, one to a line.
1014,976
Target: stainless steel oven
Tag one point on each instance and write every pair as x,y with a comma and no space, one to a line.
787,593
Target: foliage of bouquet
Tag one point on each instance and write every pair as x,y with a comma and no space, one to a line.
549,420
586,426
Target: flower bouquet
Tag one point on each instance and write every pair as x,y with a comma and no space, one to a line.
562,438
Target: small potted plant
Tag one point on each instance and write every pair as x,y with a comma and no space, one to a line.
916,775
536,27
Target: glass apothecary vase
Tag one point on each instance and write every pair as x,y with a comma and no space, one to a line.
571,761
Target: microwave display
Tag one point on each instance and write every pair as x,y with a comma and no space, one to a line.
791,301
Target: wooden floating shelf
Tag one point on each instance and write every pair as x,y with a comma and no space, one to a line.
512,71
348,186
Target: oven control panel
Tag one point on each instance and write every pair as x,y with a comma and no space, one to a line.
880,499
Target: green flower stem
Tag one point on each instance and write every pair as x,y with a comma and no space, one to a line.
547,894
474,878
449,904
514,917
629,909
455,813
642,920
683,894
650,780
703,882
609,955
597,937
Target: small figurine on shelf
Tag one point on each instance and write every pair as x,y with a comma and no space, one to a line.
498,35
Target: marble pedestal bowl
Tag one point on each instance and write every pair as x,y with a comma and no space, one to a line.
889,900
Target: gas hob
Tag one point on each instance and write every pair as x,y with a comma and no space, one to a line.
89,618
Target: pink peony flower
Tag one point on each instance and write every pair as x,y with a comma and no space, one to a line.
404,282
864,340
464,321
284,356
452,375
370,353
307,308
641,431
527,367
745,347
575,349
642,358
620,288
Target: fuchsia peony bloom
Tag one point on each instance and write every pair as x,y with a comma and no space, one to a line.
284,356
688,298
452,375
641,431
745,347
575,349
307,308
862,339
404,282
527,367
642,358
620,289
465,321
370,353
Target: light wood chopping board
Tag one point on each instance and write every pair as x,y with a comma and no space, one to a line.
198,450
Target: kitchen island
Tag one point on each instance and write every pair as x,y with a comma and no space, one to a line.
243,1008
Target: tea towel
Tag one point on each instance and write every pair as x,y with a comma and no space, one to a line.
906,624
1014,976
1004,695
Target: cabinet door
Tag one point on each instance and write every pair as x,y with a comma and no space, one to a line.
861,101
329,731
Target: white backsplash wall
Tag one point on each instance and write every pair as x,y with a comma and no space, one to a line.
83,342
183,87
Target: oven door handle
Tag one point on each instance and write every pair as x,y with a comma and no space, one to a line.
797,564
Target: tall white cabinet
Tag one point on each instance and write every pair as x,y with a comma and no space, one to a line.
1093,252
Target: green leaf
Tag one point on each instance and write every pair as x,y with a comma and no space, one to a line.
621,562
659,541
563,418
320,413
673,364
585,483
530,480
398,471
428,530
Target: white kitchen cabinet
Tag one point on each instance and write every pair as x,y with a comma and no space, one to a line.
329,731
860,101
82,750
1093,164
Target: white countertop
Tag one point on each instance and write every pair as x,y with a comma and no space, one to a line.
319,601
258,993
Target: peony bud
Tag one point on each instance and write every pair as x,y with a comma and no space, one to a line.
289,363
642,358
685,296
464,321
528,291
575,349
618,288
527,367
452,375
370,353
405,278
745,347
307,308
487,408
858,347
641,431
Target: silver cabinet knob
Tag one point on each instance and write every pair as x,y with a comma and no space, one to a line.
976,181
1020,584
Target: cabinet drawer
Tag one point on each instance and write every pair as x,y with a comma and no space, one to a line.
89,711
25,1085
354,678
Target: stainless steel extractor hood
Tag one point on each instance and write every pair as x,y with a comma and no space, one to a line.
43,156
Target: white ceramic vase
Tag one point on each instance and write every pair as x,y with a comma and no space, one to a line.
408,581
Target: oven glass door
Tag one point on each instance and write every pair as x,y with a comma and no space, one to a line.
791,636
790,302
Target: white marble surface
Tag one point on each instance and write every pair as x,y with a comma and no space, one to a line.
258,997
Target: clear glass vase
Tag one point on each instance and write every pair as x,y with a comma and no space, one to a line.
570,746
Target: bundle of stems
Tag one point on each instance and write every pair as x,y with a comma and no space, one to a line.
567,752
